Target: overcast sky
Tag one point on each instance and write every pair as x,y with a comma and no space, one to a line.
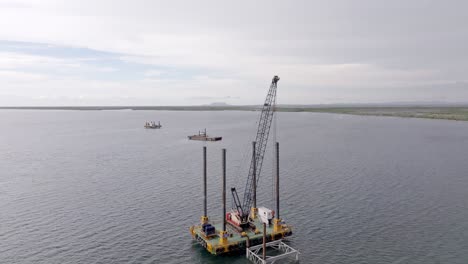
138,52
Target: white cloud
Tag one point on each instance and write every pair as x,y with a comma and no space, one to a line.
321,50
153,73
19,77
13,60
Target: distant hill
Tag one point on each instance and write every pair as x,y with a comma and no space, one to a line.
219,104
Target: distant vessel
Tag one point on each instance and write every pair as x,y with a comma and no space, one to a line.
202,136
153,125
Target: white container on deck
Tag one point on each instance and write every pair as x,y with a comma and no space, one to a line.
266,215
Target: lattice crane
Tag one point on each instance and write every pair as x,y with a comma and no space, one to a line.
261,139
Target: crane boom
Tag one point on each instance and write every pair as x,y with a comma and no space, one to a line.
261,139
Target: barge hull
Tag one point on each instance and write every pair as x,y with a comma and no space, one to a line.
203,138
235,242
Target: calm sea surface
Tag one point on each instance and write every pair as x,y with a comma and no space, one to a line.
96,187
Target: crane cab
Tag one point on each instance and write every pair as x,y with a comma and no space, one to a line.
266,215
233,218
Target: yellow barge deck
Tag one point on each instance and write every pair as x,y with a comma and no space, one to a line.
235,242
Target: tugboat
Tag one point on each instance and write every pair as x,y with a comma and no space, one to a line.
153,125
202,136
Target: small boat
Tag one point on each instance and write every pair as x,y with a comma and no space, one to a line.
202,136
153,125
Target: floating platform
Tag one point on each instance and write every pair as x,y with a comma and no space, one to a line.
152,125
236,242
202,136
281,250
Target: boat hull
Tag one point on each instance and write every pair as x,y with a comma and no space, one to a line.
204,138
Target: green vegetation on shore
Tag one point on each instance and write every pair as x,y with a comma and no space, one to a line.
459,113
448,113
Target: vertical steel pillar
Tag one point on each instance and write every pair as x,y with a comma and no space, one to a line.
264,241
277,182
205,213
224,189
254,176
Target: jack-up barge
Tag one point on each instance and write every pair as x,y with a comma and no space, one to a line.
247,225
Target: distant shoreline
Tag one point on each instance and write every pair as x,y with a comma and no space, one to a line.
459,113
